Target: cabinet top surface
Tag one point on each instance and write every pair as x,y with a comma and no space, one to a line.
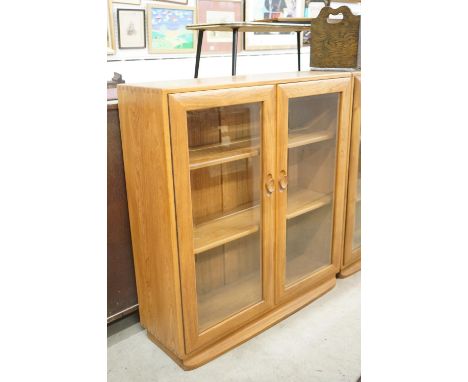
179,86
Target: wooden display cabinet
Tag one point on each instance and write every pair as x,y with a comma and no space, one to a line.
236,190
351,261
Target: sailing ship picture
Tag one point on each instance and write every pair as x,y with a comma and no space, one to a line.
131,26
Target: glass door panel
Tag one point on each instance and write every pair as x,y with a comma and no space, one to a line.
312,132
225,180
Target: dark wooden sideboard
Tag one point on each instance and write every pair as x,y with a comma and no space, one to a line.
121,288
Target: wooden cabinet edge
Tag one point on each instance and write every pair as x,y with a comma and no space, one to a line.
184,86
351,257
153,228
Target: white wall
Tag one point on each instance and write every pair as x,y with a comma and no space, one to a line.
137,65
180,68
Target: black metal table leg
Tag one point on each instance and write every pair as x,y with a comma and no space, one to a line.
298,50
234,50
199,46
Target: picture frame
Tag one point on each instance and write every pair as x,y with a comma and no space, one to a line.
131,25
311,9
133,2
267,9
166,28
219,11
181,2
110,29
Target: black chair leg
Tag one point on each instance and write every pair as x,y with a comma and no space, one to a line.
234,50
298,50
199,46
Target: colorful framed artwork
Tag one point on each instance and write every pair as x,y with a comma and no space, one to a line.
131,27
219,11
134,2
110,29
268,9
166,29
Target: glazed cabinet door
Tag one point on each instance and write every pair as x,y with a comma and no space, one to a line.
352,250
224,150
313,121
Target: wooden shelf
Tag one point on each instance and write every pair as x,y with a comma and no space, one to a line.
225,229
220,303
302,201
301,137
228,228
223,153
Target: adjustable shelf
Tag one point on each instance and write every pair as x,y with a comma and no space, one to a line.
228,228
220,231
223,153
301,137
303,200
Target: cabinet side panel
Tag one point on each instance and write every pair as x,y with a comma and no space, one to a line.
339,209
148,170
350,256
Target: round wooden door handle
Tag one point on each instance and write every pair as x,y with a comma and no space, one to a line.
283,182
270,184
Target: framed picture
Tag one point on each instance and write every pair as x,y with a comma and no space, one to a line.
268,9
311,9
166,29
354,6
110,29
219,11
131,26
181,2
134,2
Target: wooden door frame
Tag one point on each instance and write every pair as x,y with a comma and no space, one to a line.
349,255
303,89
179,105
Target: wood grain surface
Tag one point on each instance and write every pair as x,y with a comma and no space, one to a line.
205,163
352,256
334,44
148,171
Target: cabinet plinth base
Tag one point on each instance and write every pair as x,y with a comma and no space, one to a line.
248,331
350,269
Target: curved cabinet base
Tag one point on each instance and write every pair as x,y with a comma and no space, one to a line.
350,269
250,330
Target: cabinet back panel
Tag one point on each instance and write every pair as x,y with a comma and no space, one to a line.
223,189
314,113
308,243
312,167
228,280
207,197
210,270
